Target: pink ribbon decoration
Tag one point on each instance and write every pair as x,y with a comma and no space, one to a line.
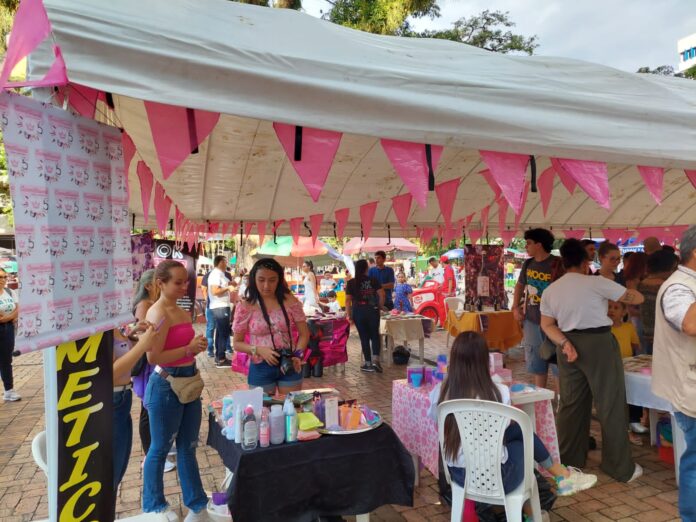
691,174
177,132
502,213
312,156
578,233
30,28
315,222
592,178
261,230
248,226
446,196
614,235
567,180
402,208
367,216
295,227
491,182
545,184
484,219
146,182
410,163
341,220
475,235
162,206
653,178
507,236
508,171
427,235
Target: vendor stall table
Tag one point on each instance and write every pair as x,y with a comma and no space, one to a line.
410,327
639,393
418,432
499,328
334,338
331,476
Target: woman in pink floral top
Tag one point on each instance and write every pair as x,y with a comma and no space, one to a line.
264,321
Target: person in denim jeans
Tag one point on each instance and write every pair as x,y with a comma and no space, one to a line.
674,362
174,354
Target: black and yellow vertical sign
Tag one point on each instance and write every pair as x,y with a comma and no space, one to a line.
85,418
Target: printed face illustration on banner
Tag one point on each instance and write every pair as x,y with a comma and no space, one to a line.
30,320
98,272
73,274
17,160
89,307
123,270
55,240
34,200
89,139
83,240
102,176
24,240
113,303
61,131
94,205
114,148
107,242
41,279
78,169
29,123
60,313
49,165
67,203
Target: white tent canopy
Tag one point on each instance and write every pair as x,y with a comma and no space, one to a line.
258,65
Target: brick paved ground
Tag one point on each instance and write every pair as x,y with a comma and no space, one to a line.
653,498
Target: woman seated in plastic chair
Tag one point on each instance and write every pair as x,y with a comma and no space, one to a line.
469,378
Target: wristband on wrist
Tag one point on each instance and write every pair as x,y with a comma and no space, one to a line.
254,349
563,341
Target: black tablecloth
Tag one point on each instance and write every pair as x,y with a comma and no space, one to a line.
333,475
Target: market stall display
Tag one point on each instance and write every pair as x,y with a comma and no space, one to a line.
499,328
329,335
404,327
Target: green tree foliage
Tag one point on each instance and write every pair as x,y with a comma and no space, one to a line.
5,200
662,70
380,16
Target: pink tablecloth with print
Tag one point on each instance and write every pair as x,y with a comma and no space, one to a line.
418,432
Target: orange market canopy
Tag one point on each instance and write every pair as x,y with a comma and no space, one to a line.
257,66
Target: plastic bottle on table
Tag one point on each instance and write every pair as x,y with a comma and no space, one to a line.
291,426
238,421
264,429
277,424
250,430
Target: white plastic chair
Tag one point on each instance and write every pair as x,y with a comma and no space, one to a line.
482,426
453,303
38,451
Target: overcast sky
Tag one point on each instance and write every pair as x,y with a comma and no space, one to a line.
626,34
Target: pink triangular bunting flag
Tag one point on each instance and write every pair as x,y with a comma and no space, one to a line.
248,226
502,214
341,220
410,162
427,235
315,222
653,178
578,233
592,178
486,173
525,193
402,208
614,235
162,206
449,235
128,151
446,196
474,235
177,132
646,232
295,227
507,236
566,179
146,182
83,100
261,231
277,224
367,216
691,174
30,28
545,185
316,151
508,171
484,219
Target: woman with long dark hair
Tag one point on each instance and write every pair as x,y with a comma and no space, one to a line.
264,322
364,300
311,297
8,315
468,377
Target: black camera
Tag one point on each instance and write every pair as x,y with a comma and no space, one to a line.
285,363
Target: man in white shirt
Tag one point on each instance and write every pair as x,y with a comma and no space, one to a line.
437,273
219,287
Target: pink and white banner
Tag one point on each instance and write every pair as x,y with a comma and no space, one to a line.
70,207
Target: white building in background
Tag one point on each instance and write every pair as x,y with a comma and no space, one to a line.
687,52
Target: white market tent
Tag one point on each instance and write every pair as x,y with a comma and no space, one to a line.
258,65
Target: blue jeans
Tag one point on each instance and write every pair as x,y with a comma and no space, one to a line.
267,377
366,319
209,329
512,470
223,330
687,468
533,338
172,421
123,434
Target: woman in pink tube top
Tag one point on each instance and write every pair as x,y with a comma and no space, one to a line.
173,352
264,323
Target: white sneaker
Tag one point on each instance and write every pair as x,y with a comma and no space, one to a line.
12,396
637,427
577,481
169,515
637,473
201,516
169,465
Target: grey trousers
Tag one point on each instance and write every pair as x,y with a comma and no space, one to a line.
597,373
